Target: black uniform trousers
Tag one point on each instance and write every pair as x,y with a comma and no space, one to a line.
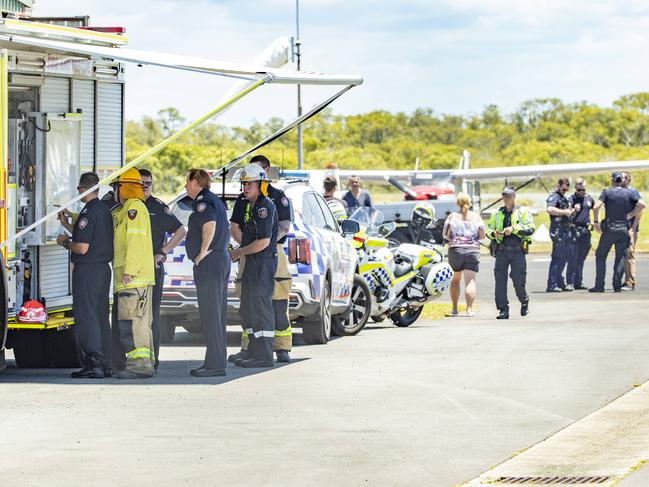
578,253
118,354
621,241
211,279
90,292
561,249
256,305
157,300
512,260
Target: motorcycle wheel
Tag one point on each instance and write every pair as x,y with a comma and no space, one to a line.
405,317
355,321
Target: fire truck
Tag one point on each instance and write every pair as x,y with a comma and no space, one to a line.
61,114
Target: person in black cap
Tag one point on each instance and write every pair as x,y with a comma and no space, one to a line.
560,212
510,230
620,205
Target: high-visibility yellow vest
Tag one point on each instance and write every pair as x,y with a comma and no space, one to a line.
522,224
133,246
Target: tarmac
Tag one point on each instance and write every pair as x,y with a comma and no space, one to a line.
558,395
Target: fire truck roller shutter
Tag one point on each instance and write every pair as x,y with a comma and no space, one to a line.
83,98
109,136
4,311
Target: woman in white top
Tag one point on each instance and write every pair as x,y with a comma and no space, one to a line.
463,230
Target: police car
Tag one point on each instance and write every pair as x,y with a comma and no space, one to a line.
321,259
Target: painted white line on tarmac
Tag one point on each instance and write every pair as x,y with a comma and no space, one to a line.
611,442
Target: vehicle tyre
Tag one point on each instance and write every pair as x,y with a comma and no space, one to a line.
378,318
317,331
406,317
167,329
29,349
61,346
361,307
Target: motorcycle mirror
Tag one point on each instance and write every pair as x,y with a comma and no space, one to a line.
387,228
349,227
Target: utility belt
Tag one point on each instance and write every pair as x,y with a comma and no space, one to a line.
583,230
615,226
519,246
562,233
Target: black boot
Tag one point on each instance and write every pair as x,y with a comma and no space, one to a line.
94,369
525,308
503,315
241,355
283,356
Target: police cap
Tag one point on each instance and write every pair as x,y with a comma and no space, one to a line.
617,177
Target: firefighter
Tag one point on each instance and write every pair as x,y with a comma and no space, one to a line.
163,222
560,211
91,250
283,340
207,243
133,277
510,230
257,267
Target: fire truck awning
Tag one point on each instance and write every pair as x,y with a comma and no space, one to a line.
186,63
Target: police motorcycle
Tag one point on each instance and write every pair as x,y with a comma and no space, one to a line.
401,278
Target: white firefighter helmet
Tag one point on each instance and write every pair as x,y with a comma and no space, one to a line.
251,172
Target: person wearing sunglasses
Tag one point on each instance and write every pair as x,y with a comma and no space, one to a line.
163,222
582,203
91,251
560,212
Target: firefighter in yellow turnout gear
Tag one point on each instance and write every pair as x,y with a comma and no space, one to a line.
133,277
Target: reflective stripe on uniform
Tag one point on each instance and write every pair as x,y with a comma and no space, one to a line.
265,334
142,352
284,333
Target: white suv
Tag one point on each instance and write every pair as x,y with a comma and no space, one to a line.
322,262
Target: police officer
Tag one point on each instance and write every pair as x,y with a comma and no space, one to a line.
634,229
163,222
559,209
283,340
620,205
510,230
133,278
91,250
582,204
206,245
257,268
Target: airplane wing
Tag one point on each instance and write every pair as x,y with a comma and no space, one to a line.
529,172
511,173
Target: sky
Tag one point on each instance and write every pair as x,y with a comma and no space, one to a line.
452,56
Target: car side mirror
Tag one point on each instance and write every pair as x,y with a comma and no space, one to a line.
349,227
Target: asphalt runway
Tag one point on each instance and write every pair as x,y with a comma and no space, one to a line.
436,404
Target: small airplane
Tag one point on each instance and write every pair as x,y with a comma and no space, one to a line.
442,184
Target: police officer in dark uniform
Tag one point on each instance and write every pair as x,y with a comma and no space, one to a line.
91,251
559,209
206,244
582,203
259,248
620,205
282,342
163,222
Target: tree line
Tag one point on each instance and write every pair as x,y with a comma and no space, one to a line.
539,131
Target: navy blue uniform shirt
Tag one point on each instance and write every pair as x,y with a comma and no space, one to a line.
277,196
163,221
558,200
109,201
94,226
207,207
261,222
582,217
618,203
